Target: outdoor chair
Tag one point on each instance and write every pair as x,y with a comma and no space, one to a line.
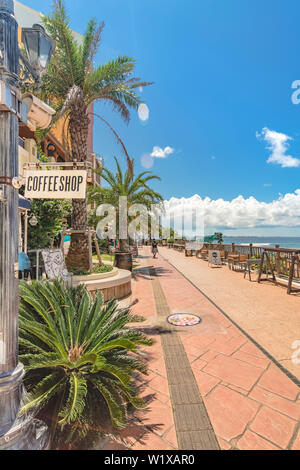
55,268
24,266
223,256
203,253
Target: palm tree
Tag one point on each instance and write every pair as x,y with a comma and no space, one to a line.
79,356
72,83
136,190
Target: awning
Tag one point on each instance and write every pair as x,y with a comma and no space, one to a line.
24,203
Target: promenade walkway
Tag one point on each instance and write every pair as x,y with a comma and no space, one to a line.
264,311
209,386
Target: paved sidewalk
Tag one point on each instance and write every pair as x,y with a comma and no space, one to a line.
242,400
264,311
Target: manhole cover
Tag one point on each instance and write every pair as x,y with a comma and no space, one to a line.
184,319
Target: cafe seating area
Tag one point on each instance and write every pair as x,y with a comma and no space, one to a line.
283,264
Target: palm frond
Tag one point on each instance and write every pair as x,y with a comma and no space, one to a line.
119,140
76,400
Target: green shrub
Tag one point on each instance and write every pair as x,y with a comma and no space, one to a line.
97,269
104,268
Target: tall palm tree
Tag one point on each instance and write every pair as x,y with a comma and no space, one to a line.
73,83
136,190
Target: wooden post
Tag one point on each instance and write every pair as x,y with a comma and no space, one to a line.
233,247
98,250
62,242
278,267
251,250
271,267
261,267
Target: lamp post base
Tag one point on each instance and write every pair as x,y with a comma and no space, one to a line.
26,434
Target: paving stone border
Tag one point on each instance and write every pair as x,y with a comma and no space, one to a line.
193,427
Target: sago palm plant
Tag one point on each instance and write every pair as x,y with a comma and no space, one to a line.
72,84
79,355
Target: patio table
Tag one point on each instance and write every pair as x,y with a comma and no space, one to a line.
249,265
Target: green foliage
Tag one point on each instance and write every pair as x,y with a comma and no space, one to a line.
97,269
104,268
49,214
79,355
219,237
216,237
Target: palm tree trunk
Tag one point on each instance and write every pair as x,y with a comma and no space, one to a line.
78,255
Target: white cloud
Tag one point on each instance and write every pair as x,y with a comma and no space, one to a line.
240,212
158,152
278,143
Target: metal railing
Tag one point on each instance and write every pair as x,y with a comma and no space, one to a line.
280,258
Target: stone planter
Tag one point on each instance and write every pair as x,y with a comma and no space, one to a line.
113,285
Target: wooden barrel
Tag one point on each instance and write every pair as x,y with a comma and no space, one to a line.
123,261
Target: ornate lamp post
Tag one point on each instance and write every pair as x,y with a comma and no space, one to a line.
39,49
15,433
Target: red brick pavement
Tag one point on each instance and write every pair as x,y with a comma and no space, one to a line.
251,403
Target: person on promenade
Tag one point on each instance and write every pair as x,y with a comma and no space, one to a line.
154,249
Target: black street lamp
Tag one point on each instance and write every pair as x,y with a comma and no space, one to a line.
16,433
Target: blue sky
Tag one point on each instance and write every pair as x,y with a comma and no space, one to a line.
223,72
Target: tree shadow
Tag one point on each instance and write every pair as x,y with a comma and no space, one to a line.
159,271
137,430
148,272
155,330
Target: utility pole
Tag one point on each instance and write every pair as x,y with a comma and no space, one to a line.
15,433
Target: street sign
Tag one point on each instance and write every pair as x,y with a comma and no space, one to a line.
55,184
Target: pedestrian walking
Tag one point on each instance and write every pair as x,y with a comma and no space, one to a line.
154,249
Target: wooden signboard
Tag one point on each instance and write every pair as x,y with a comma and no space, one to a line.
214,258
54,263
56,184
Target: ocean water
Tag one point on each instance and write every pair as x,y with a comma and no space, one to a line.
284,242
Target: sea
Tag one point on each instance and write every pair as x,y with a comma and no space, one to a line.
284,242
